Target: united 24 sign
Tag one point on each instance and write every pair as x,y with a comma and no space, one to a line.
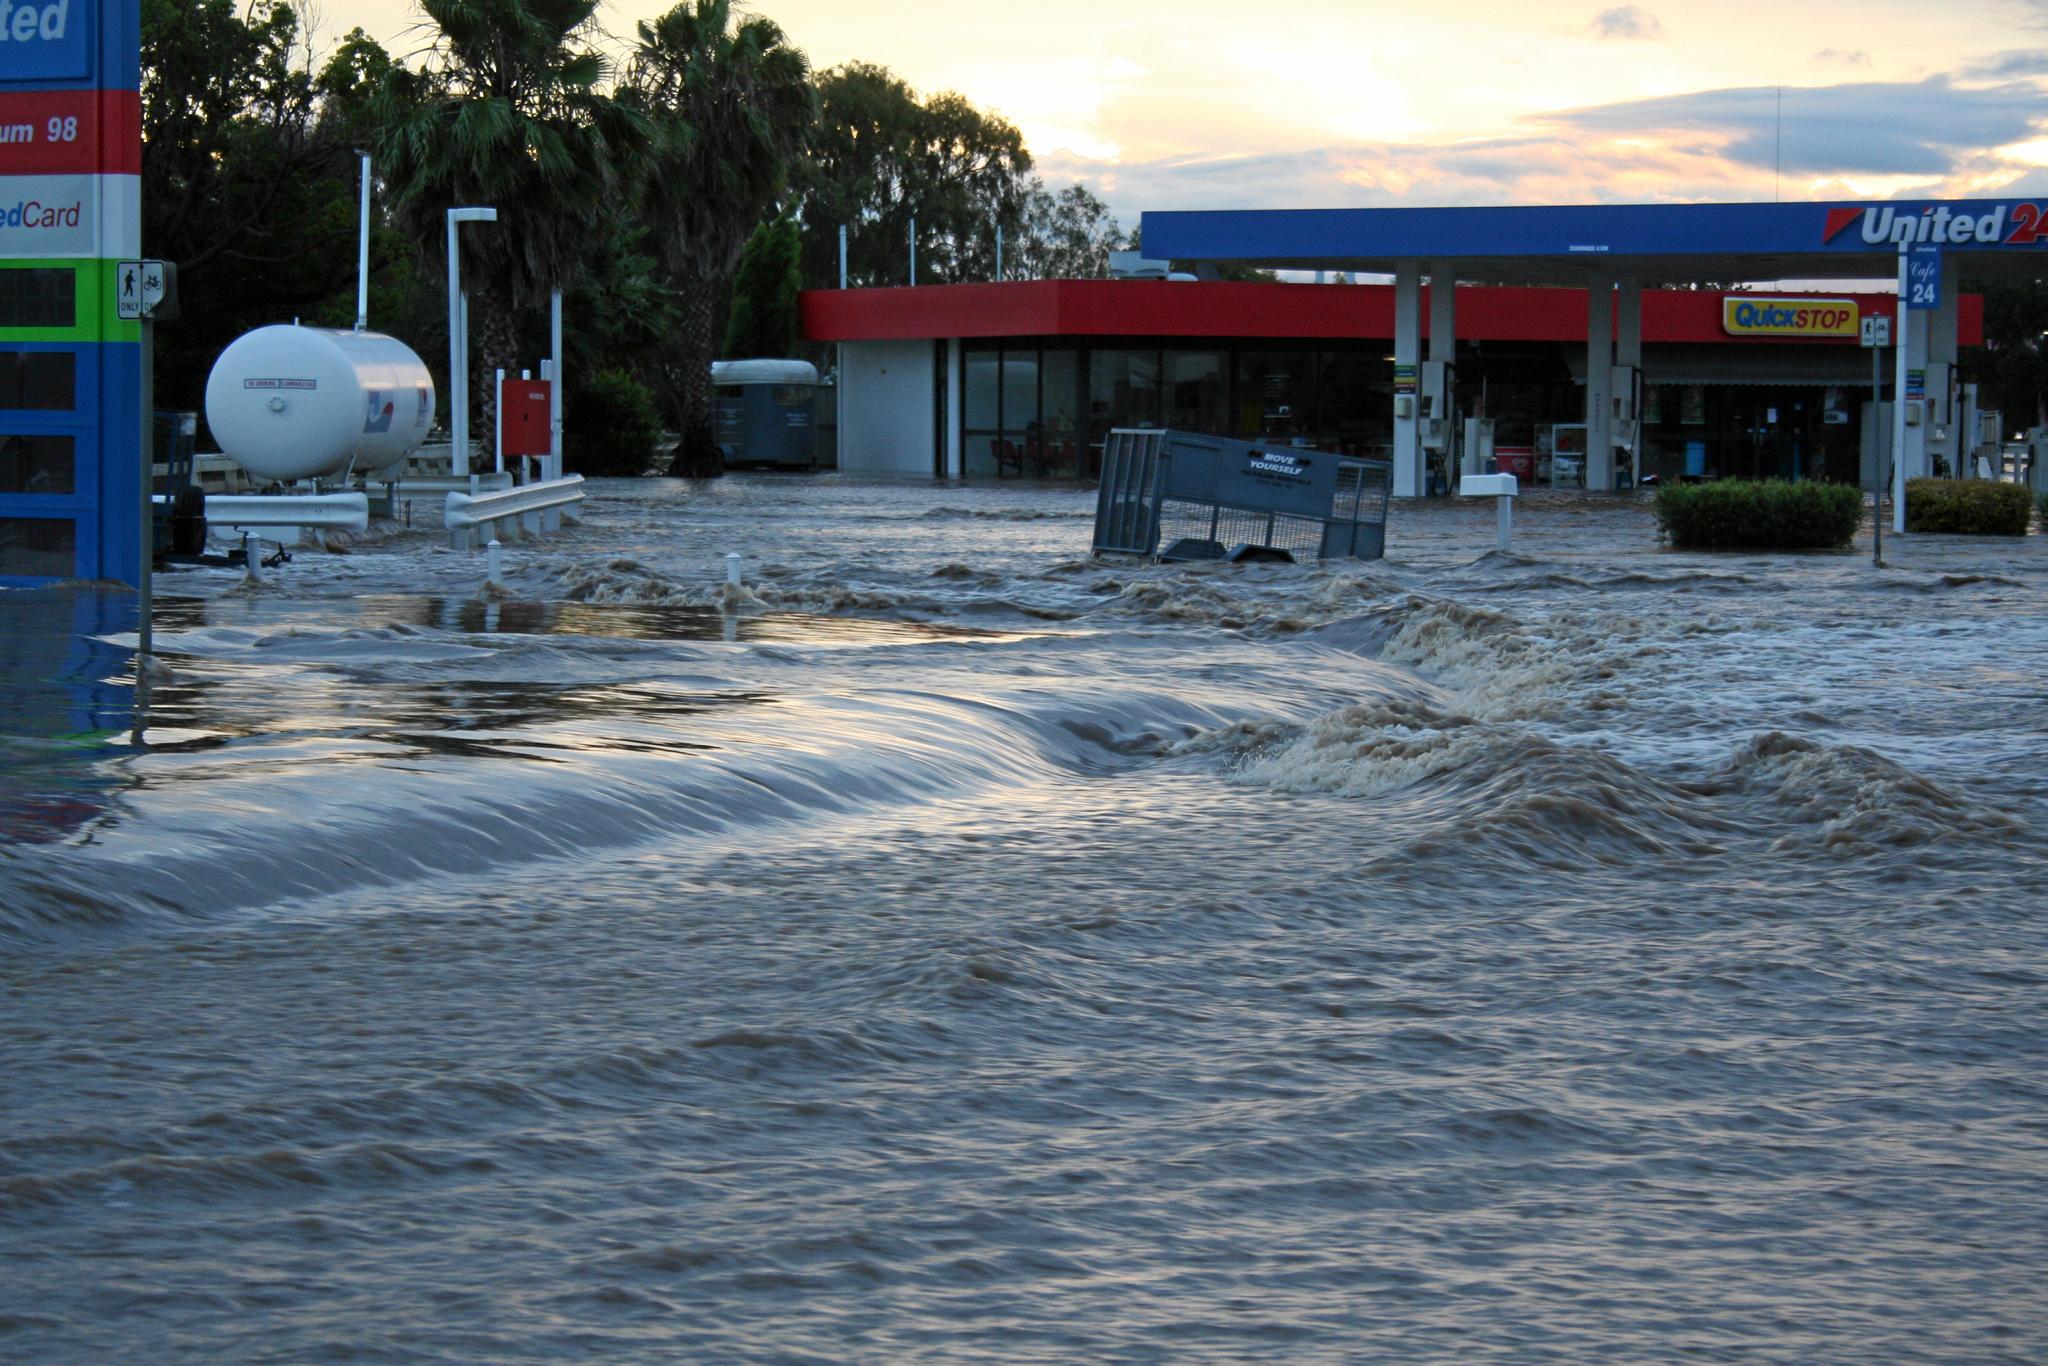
2008,225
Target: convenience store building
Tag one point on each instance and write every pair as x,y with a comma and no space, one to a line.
994,381
1601,320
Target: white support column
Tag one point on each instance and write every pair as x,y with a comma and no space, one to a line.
956,450
1600,382
1628,351
1408,473
1443,313
839,396
1443,346
1909,437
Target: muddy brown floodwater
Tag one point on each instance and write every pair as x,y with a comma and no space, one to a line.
950,947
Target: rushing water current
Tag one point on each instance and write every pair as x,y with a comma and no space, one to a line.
948,946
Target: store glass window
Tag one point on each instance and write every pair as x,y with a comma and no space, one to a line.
1275,395
1021,453
38,464
1123,391
1196,383
981,402
1020,392
1354,402
1060,409
38,547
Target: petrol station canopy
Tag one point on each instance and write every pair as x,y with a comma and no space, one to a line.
1570,244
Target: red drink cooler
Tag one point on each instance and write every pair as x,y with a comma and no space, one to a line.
1520,461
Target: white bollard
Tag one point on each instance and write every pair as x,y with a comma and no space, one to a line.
494,561
732,570
252,560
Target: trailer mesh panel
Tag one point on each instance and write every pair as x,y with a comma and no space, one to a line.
1179,495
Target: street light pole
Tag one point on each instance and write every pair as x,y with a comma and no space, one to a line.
458,342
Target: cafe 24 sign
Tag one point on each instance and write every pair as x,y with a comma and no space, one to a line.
1748,315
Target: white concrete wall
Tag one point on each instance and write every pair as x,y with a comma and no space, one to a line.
885,407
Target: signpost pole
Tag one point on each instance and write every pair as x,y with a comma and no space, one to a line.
458,410
555,391
1898,422
1880,475
1877,334
145,643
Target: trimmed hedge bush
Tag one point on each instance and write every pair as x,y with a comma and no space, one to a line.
615,426
1769,514
1968,507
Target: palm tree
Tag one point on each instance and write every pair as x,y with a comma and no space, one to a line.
508,112
731,104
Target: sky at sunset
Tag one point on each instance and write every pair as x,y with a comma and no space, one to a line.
1214,104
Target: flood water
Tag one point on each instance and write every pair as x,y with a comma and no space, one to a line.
949,947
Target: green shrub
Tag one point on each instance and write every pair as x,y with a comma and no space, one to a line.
610,426
1759,515
1969,507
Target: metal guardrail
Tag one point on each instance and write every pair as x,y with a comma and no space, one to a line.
529,503
258,511
422,485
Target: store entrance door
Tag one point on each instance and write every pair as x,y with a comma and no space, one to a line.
1776,433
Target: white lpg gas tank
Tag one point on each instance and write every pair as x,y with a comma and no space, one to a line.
304,402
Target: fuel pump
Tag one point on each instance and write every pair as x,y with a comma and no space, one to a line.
1438,425
1946,433
1988,450
1626,427
1478,451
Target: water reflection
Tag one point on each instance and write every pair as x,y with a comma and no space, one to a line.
480,616
66,695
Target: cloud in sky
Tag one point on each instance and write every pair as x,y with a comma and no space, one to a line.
1627,22
2031,61
1850,141
1861,128
1180,104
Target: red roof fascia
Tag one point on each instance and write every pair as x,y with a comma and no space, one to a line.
1183,308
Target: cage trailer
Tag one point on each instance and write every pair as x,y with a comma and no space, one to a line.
1184,496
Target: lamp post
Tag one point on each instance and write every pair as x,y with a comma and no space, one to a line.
458,343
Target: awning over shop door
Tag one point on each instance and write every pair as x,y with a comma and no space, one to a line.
1756,365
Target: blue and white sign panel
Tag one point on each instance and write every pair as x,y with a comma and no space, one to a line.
1923,277
48,41
1594,231
71,422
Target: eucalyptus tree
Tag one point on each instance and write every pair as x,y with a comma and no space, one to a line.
1066,235
731,105
509,110
244,185
883,156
